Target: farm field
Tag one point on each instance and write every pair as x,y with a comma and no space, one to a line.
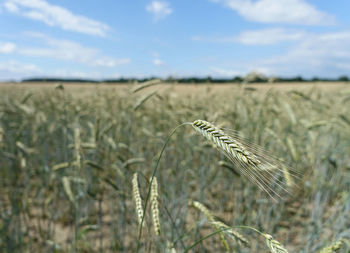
69,154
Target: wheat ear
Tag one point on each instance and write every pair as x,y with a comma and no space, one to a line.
170,248
225,142
154,205
287,176
137,197
210,217
274,246
333,248
249,158
230,232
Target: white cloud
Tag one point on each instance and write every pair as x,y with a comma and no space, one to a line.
240,69
279,11
157,59
159,10
13,68
268,36
110,62
216,39
7,48
325,54
257,37
197,38
70,51
345,66
115,76
64,73
54,15
223,72
313,54
157,62
11,7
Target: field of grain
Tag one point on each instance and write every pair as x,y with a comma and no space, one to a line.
69,154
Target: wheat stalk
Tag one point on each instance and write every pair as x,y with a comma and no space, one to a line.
137,197
274,246
154,205
333,248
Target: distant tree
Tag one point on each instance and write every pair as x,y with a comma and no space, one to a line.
209,79
237,79
343,79
299,79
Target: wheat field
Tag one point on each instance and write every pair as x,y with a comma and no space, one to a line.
73,158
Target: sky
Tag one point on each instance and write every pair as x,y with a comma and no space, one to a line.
110,39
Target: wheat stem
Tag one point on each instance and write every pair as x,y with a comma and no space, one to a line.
151,181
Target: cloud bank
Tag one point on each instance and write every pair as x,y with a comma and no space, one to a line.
54,15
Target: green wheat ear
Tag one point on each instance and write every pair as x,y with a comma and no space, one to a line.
231,233
250,159
274,246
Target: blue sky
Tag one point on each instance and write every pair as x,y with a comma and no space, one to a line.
220,38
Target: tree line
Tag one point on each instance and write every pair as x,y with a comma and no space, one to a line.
250,78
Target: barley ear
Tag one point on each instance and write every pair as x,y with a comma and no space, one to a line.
137,197
274,246
154,205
